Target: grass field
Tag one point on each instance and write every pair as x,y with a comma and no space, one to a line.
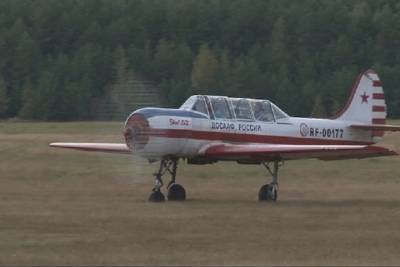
61,207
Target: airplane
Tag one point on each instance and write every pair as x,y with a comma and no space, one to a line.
207,129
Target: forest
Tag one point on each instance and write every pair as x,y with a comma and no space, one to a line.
58,57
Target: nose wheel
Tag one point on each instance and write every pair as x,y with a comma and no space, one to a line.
157,196
176,192
269,192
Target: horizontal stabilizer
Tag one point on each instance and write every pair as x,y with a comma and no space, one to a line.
95,147
377,127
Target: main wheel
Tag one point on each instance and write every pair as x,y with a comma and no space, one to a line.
176,192
268,192
157,196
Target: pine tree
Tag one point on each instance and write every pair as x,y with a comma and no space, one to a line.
121,68
4,99
225,73
163,59
318,110
205,70
29,102
45,108
286,97
278,52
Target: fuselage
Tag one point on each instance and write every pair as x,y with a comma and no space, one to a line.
155,133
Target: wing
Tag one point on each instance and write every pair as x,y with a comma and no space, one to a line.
269,152
95,147
378,127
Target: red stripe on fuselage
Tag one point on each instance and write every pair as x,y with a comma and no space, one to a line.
248,138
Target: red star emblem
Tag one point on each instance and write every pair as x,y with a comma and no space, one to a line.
364,98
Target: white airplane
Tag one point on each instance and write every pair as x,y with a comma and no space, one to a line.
207,129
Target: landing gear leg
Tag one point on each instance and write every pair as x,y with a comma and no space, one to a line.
269,192
156,194
175,191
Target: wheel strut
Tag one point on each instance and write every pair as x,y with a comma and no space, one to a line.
274,171
166,165
270,191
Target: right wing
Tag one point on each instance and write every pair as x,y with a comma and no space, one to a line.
95,147
270,152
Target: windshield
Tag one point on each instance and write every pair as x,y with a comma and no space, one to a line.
200,105
279,114
188,103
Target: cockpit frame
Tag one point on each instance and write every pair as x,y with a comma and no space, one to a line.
269,113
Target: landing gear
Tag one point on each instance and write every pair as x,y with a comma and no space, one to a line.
175,191
156,196
269,192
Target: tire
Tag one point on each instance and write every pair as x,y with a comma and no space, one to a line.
176,192
263,193
267,193
157,196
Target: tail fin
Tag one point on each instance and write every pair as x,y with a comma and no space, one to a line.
366,103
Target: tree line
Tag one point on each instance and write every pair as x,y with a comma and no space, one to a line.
57,58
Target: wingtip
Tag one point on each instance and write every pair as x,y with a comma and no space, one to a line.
53,144
56,144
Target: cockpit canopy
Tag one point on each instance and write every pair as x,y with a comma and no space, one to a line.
229,108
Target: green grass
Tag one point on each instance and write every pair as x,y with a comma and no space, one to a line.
61,207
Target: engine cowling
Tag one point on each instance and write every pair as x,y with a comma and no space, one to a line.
154,133
137,130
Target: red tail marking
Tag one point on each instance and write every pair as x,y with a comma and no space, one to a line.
377,83
378,96
378,108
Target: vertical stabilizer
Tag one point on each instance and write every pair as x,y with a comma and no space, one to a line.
366,103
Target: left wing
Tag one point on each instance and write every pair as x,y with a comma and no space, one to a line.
270,152
95,147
